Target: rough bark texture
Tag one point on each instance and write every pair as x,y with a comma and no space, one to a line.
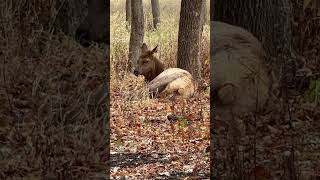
128,11
267,20
155,13
270,22
240,83
137,32
189,37
203,13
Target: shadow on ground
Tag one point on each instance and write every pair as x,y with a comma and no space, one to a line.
133,160
129,160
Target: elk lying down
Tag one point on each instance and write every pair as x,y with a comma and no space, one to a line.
241,81
172,81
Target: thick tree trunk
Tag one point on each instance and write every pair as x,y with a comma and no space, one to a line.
155,13
189,36
264,19
137,32
270,22
128,11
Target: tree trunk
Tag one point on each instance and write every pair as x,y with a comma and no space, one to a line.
137,32
155,13
270,22
265,19
189,37
203,13
128,12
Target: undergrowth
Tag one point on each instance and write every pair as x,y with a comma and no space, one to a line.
52,93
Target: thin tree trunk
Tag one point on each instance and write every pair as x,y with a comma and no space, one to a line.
189,37
128,12
155,13
203,13
202,22
137,32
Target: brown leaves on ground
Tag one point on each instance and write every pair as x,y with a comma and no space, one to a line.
274,145
158,138
50,112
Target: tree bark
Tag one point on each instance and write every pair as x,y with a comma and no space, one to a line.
264,19
189,37
270,22
203,13
155,13
137,33
128,11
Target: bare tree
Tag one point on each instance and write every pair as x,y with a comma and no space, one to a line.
190,30
137,32
155,13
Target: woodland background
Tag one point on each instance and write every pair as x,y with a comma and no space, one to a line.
49,86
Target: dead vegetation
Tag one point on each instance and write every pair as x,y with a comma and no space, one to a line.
52,94
155,138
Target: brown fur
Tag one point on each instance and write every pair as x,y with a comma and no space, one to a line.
240,77
166,82
173,81
148,65
238,59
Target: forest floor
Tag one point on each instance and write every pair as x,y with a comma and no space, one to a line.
158,138
48,128
273,145
161,138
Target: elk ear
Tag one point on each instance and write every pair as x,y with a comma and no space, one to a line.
155,50
144,48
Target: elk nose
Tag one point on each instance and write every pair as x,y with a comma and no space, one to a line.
135,72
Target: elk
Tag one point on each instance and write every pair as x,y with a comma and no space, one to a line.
241,80
163,81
